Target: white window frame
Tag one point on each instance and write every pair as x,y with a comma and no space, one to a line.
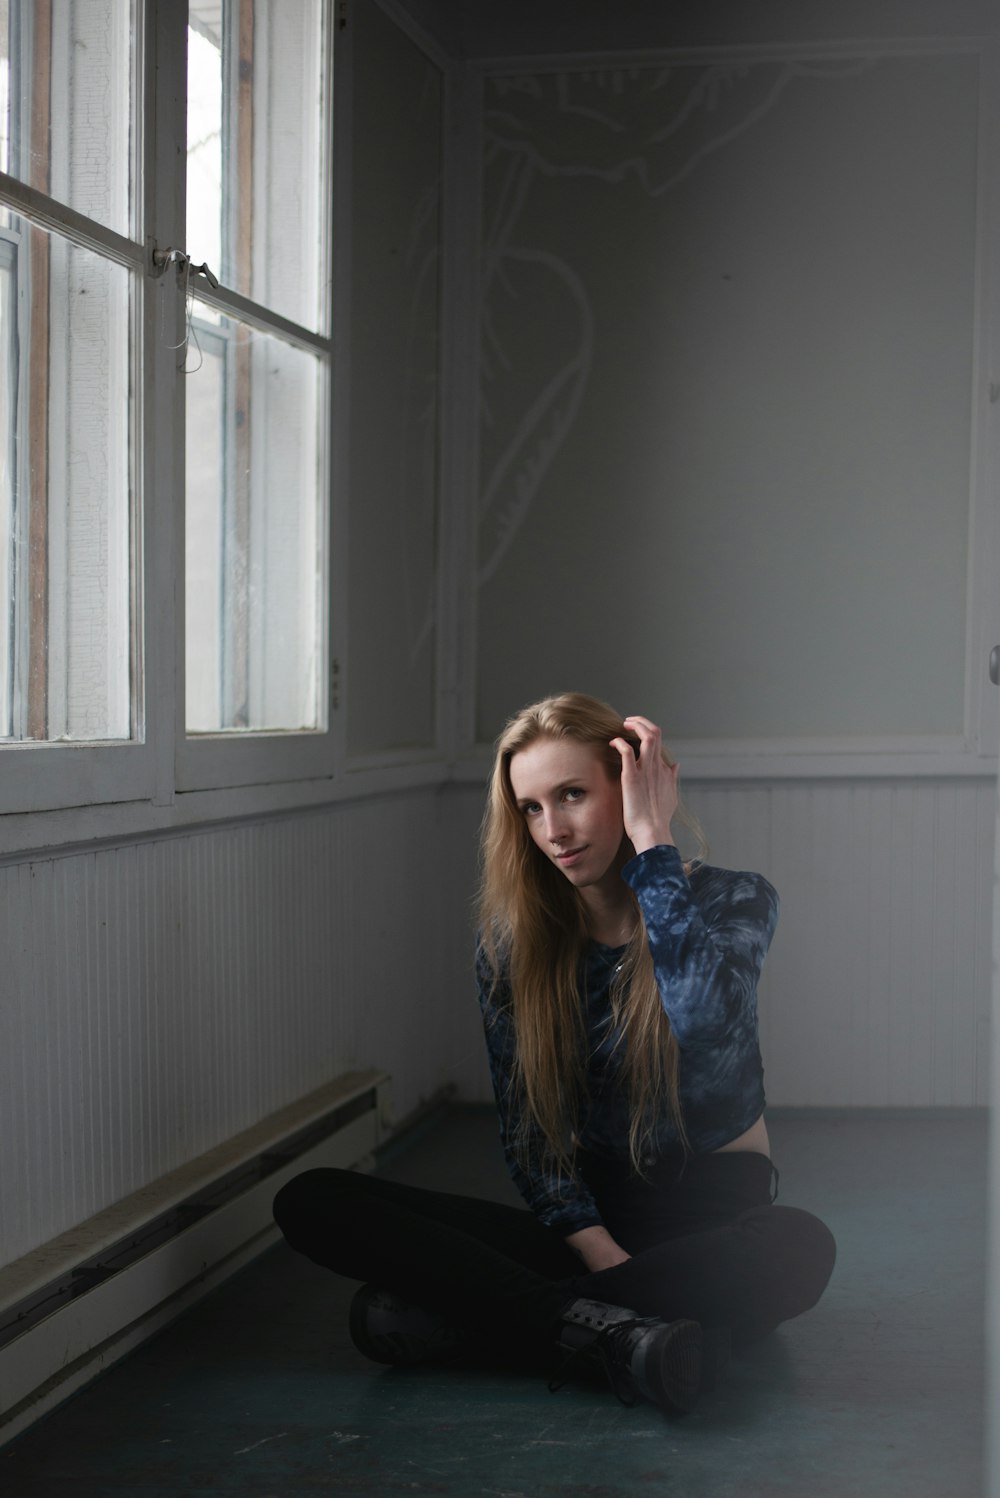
37,775
232,758
217,760
56,794
228,759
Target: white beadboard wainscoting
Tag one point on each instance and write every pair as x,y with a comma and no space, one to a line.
877,988
876,992
162,996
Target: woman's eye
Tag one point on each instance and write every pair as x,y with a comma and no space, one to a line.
530,808
573,793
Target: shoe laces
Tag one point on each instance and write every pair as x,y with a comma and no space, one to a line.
604,1350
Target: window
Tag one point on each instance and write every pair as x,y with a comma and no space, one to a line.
126,376
70,670
257,372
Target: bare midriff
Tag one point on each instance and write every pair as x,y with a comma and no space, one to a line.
754,1139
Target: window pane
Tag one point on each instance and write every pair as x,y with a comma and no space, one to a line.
255,531
65,461
66,94
257,168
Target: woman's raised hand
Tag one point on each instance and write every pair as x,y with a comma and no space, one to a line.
649,787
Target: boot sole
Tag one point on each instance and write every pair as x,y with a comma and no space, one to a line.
677,1378
426,1340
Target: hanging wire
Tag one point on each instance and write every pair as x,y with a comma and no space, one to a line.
161,260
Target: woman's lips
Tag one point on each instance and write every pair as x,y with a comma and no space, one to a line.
570,856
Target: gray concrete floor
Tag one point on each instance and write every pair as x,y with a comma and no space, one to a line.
258,1391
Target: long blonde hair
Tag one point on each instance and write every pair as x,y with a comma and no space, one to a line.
533,931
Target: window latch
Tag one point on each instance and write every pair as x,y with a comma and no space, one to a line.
170,256
203,270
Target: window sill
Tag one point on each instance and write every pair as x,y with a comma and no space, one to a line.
77,828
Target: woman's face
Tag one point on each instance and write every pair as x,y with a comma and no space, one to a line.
572,807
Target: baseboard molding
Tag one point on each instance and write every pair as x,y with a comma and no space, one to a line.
151,1256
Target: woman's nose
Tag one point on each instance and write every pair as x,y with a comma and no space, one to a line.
555,829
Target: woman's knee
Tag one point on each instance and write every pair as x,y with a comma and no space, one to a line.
310,1193
807,1254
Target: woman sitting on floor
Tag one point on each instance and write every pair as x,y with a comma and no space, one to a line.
618,987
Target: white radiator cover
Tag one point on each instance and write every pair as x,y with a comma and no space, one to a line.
62,1351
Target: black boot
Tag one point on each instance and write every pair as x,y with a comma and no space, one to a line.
641,1356
389,1330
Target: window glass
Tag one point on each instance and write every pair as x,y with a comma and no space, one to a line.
255,530
255,506
65,488
66,83
204,132
256,185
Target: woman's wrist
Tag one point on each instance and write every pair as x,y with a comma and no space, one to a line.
596,1248
651,837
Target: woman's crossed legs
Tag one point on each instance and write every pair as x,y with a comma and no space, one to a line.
495,1269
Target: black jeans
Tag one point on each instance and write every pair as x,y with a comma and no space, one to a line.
707,1244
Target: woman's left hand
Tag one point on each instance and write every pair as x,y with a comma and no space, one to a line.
649,787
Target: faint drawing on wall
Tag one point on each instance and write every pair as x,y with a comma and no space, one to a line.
727,339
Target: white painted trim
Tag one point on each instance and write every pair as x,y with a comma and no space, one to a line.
68,831
460,397
37,777
894,745
61,1353
60,218
162,499
451,382
233,303
520,65
225,760
338,642
42,778
742,760
991,1426
218,761
983,630
414,32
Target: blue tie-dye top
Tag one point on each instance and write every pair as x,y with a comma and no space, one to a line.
708,933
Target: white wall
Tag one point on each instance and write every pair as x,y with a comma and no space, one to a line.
729,389
161,996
